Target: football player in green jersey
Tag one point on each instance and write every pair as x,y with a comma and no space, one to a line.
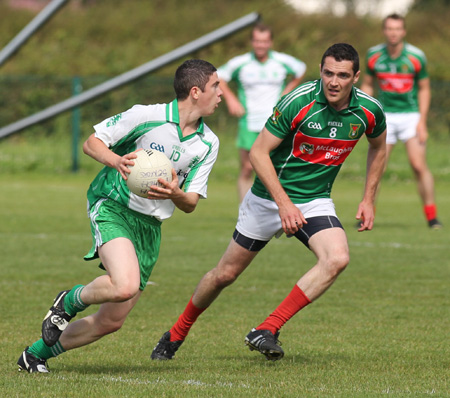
262,76
400,70
296,158
126,229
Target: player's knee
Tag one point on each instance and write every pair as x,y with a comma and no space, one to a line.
246,170
340,262
246,175
337,263
418,165
109,326
416,168
419,170
125,292
224,277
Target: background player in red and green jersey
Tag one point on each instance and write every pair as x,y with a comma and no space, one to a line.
404,90
296,158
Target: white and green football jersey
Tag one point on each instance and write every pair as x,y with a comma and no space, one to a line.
260,84
154,127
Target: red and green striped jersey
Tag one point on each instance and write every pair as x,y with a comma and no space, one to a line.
397,78
317,139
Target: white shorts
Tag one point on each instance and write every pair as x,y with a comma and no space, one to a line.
259,218
401,126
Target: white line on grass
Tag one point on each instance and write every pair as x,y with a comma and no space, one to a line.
230,385
42,236
159,380
396,245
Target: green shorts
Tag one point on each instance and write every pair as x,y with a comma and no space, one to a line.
245,137
110,220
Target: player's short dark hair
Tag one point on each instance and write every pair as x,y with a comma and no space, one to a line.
192,73
396,17
342,52
261,27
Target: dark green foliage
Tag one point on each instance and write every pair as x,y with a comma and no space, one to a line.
98,40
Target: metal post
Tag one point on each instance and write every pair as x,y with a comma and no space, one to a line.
29,30
131,75
76,89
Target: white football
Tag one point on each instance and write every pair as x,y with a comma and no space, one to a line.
148,167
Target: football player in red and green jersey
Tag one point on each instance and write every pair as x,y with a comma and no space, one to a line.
400,69
296,158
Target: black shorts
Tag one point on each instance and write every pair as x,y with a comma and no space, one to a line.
315,224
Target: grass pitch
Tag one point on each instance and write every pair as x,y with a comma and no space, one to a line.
381,329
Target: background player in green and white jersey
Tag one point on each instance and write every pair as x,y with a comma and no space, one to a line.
262,77
400,69
126,229
296,159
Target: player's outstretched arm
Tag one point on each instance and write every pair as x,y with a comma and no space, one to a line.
291,217
424,98
376,158
234,106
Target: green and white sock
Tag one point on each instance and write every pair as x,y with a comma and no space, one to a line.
72,301
40,350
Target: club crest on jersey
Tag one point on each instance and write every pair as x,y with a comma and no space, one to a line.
275,115
306,147
354,130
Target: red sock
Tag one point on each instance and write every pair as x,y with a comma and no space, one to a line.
181,328
430,211
292,304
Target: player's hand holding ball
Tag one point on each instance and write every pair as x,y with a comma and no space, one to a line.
150,167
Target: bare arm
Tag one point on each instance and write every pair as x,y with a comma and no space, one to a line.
98,150
424,98
291,217
367,84
235,108
376,158
185,201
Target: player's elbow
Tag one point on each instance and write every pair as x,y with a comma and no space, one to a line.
189,202
186,207
189,208
86,147
253,156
